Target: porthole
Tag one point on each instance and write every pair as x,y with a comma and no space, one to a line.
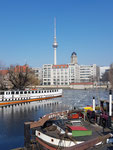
52,140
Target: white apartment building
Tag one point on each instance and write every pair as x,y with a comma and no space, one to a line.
68,73
47,74
88,73
38,73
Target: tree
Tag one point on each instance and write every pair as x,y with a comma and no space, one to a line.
105,77
2,85
111,75
21,77
2,76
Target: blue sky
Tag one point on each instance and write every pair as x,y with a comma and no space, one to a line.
83,26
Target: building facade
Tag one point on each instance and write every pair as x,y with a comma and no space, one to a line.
68,73
88,73
38,74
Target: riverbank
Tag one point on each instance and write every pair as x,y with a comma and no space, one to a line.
76,87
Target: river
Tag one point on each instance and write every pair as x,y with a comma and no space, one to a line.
12,118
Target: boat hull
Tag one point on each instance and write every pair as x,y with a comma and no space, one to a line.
27,100
53,142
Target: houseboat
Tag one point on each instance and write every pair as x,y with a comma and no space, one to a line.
16,97
77,129
65,130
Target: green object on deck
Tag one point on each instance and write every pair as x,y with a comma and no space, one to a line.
81,133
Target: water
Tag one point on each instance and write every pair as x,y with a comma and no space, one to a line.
12,118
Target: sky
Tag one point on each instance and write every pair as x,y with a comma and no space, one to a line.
82,26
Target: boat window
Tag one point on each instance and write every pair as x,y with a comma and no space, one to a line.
35,91
39,91
44,91
1,93
17,92
25,92
29,92
21,92
32,91
7,93
52,90
12,92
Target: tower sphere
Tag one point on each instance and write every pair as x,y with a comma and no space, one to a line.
55,45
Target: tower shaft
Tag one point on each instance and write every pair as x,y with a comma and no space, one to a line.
55,56
55,44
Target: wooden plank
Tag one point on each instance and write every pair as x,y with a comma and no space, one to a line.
89,143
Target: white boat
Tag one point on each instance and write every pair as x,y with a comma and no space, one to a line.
16,97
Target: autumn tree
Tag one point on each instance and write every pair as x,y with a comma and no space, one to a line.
21,77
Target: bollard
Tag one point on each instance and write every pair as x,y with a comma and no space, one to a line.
93,103
110,108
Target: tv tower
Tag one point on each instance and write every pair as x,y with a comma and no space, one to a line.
55,44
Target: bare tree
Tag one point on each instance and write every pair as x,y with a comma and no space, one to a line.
105,77
111,75
2,76
2,85
21,77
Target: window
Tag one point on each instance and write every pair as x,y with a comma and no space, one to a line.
1,93
17,92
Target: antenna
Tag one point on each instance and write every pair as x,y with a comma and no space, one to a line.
55,27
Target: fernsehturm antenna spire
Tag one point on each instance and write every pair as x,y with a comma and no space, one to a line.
55,45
